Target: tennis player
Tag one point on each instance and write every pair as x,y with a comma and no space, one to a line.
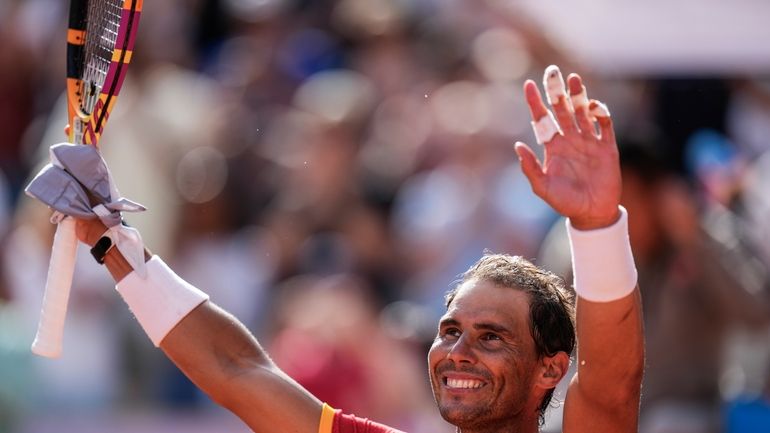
509,330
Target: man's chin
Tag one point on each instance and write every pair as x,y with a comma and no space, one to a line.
463,414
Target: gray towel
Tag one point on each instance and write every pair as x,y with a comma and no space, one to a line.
75,172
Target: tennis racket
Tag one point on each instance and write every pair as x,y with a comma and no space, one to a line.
100,43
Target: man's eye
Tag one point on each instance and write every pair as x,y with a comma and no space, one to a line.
452,332
490,337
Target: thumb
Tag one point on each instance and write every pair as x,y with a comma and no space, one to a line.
531,167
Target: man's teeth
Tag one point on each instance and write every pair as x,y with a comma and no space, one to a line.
465,383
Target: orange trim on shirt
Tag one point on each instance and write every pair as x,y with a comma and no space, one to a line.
327,419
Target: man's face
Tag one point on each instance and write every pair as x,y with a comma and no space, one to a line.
483,358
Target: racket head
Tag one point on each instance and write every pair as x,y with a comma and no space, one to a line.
100,44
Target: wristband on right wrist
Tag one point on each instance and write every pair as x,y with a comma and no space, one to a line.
602,262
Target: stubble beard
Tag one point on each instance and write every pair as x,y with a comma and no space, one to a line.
465,416
479,416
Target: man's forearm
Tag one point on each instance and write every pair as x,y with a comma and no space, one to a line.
208,344
609,318
611,349
215,350
222,358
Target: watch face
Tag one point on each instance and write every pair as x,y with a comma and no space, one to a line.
100,249
104,243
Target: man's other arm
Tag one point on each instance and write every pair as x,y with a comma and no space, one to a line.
224,360
580,178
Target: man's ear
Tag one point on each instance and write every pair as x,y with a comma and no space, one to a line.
553,369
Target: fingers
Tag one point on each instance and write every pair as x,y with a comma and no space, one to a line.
574,113
553,82
587,112
578,93
544,124
606,130
89,230
534,100
531,167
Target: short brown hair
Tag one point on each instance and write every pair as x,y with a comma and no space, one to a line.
551,305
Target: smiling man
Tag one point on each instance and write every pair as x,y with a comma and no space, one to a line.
506,339
502,346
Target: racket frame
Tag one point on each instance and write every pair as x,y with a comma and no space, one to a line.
83,128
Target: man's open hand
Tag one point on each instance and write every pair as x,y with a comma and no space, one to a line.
580,174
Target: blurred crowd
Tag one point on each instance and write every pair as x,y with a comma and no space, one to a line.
326,169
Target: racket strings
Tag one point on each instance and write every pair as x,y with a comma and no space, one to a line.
101,36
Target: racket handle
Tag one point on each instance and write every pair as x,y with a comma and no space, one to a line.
50,329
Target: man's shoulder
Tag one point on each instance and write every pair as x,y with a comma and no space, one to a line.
347,423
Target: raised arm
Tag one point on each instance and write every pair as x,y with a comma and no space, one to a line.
222,358
580,178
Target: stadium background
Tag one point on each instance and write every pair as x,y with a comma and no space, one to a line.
325,169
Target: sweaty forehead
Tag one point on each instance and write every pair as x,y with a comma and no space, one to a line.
480,300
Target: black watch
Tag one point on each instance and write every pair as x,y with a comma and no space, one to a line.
101,248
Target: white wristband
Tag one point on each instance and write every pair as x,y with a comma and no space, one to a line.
602,261
161,300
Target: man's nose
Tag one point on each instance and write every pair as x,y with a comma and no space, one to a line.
462,350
